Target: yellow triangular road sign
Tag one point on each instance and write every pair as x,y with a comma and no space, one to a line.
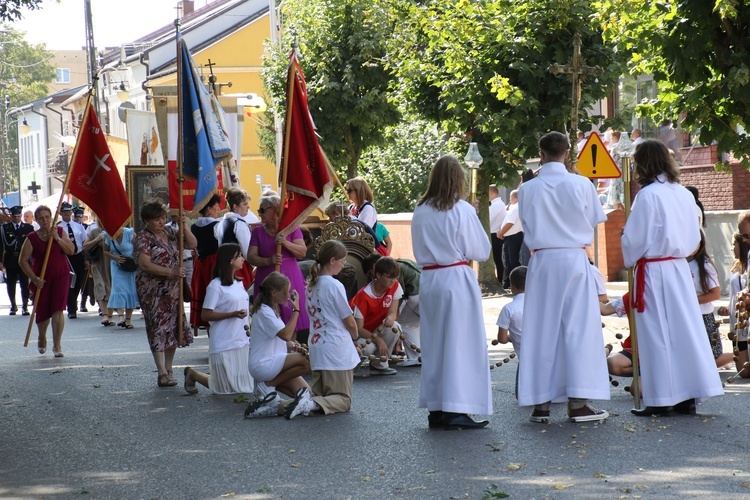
595,162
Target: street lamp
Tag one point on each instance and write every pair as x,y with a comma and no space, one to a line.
473,159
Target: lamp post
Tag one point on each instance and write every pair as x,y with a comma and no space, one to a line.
473,159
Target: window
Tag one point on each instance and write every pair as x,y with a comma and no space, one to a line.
62,75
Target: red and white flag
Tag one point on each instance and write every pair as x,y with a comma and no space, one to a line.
308,183
93,177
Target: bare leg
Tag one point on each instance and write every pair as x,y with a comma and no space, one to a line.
290,387
724,359
168,358
742,358
58,323
620,365
159,360
42,339
128,317
295,365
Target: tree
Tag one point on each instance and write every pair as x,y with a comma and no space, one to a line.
398,170
24,77
479,69
11,10
699,56
343,54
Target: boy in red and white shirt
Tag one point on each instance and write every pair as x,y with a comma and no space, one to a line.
376,306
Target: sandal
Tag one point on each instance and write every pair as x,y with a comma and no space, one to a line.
42,346
128,325
121,324
170,374
108,322
165,381
190,387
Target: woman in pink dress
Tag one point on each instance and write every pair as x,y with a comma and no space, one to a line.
52,296
262,254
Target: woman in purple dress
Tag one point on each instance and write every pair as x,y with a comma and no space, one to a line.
52,295
262,255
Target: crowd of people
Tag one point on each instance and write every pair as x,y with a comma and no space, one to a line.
270,324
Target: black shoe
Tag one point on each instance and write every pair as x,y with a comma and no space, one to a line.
686,407
12,311
653,411
435,419
24,312
456,421
83,309
72,315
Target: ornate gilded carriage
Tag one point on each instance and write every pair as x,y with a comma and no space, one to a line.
359,244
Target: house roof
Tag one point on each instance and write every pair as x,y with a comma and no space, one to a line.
200,29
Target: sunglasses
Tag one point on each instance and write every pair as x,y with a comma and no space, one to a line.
263,210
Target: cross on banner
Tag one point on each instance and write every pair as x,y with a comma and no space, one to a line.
577,70
34,187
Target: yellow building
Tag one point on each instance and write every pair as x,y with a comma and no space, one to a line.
228,33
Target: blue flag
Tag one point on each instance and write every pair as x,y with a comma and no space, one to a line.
204,141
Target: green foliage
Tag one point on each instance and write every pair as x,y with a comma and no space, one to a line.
25,73
11,10
398,170
343,55
492,492
698,52
480,70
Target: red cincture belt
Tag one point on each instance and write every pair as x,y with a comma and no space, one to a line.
438,266
640,281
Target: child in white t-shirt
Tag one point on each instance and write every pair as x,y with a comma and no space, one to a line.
333,333
276,362
706,282
225,308
510,321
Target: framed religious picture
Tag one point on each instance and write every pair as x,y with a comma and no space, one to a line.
144,184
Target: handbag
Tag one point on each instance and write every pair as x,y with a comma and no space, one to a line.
72,274
128,265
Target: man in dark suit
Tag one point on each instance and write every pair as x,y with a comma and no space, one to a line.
77,234
13,235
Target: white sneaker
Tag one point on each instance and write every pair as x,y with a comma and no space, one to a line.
302,404
264,407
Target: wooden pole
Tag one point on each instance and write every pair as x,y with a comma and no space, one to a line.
180,180
635,387
287,128
57,213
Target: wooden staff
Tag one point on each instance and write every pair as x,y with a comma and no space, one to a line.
636,390
180,178
291,75
84,125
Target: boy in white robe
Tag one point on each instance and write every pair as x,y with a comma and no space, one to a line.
559,212
676,363
446,234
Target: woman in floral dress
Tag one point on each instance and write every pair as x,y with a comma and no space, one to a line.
158,282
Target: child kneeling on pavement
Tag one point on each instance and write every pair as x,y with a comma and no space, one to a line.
375,310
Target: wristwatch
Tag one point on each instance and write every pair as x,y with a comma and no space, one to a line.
295,311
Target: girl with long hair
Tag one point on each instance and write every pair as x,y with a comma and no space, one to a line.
225,308
276,361
737,283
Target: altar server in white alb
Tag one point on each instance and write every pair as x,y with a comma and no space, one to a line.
446,234
677,366
559,212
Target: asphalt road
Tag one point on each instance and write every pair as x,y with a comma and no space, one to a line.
94,424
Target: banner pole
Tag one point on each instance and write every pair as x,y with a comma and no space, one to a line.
287,128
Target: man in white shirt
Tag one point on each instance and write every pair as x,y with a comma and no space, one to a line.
77,234
497,215
635,135
512,235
